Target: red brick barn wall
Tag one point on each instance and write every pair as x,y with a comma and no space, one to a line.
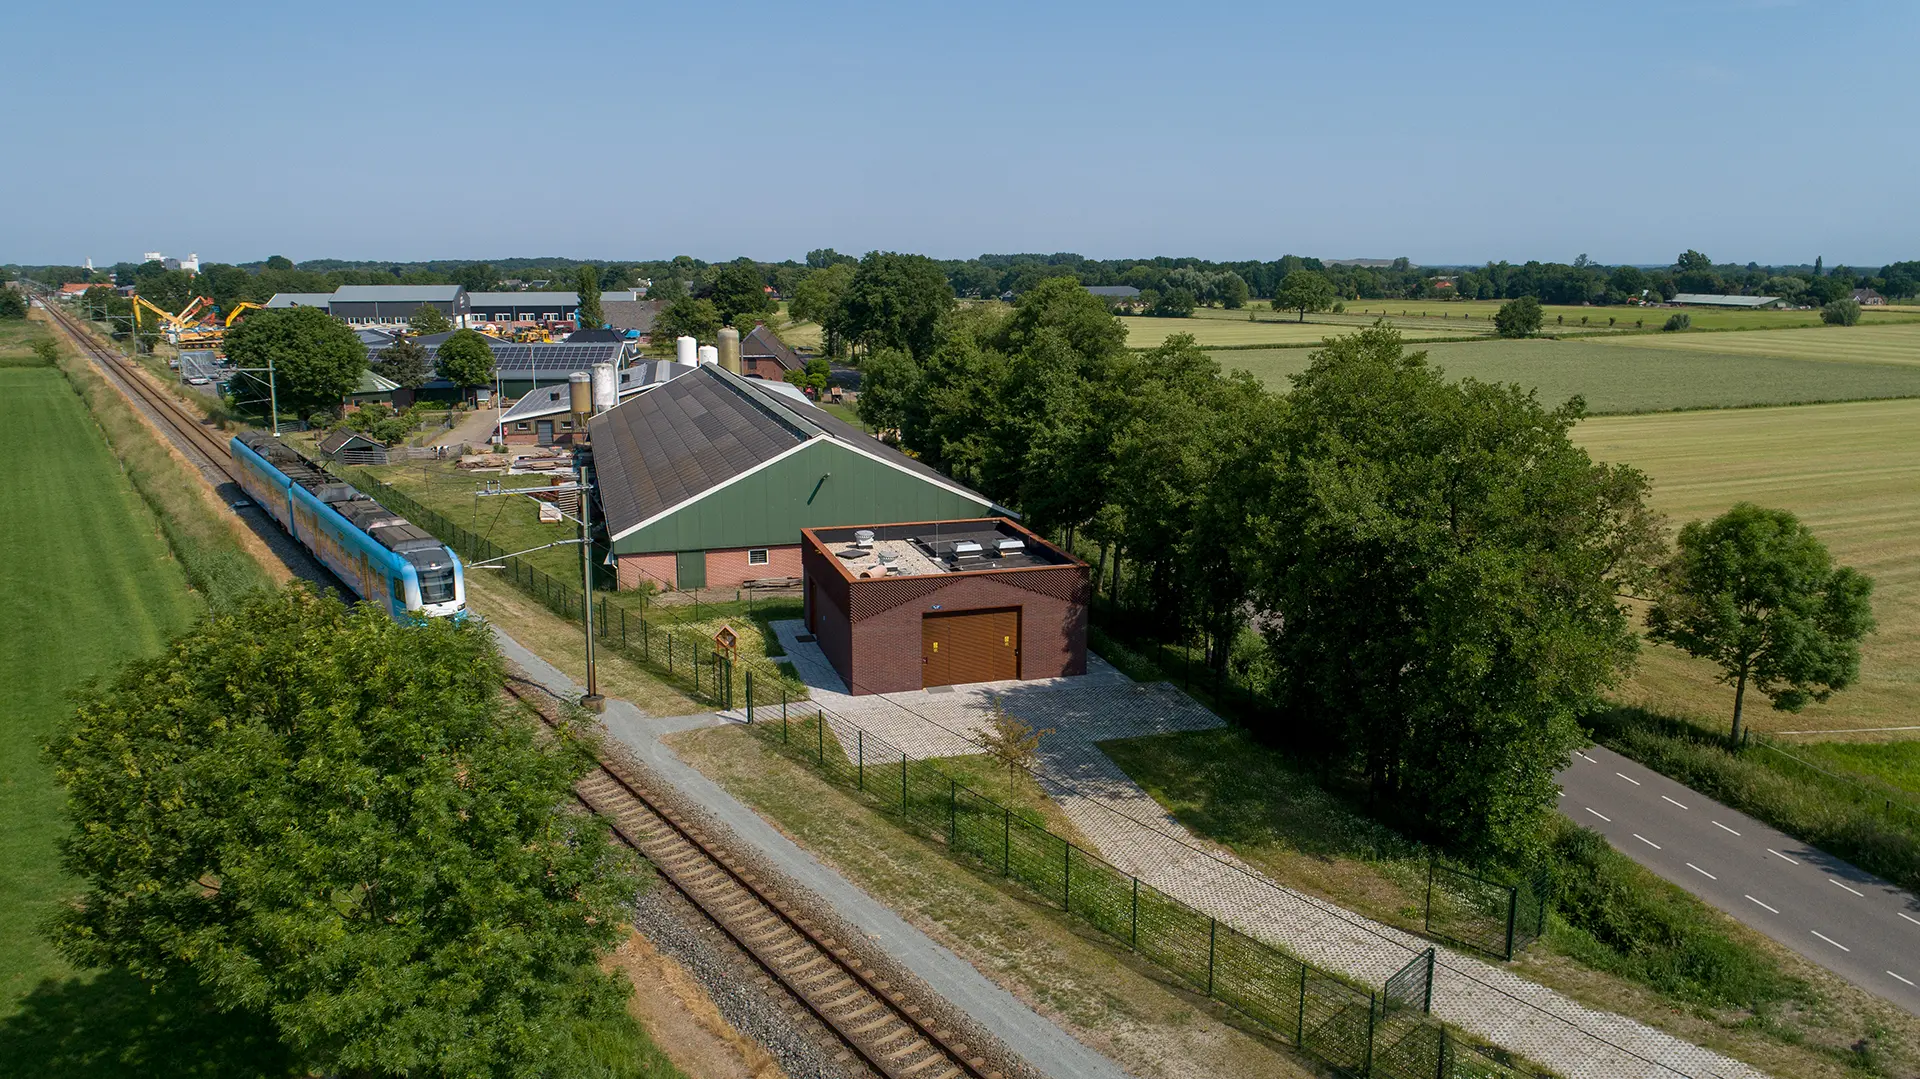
636,569
826,600
728,567
885,646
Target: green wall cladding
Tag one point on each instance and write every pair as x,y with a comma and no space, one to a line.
771,506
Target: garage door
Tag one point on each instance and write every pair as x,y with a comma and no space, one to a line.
957,647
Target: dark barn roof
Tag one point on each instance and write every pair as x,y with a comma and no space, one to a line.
702,429
762,343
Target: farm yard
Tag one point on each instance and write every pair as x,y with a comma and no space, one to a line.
1850,472
1630,375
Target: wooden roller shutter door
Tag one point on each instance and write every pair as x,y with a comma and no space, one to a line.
958,647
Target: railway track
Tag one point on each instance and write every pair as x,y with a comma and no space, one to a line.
884,1029
169,409
878,1025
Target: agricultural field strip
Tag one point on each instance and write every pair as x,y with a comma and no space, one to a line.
1851,344
1138,836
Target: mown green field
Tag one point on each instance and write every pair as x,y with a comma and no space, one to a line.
1895,344
1617,377
86,582
1704,318
1851,472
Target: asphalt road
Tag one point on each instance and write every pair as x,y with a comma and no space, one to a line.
1851,922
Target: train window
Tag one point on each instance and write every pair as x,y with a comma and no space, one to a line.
436,586
399,591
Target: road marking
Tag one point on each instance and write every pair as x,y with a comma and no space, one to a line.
1777,854
1770,910
1647,841
1599,814
1589,760
1843,887
1891,974
1723,827
1681,805
1701,871
1628,778
1830,940
1908,917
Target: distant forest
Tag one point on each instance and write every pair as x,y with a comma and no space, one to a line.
1222,284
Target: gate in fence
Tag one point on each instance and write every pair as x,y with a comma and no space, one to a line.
1488,916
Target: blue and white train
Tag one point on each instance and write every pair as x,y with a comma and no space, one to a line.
379,555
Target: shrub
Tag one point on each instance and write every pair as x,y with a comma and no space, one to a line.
1677,322
1841,313
1517,317
12,304
1339,308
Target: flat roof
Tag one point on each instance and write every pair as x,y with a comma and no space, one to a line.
926,548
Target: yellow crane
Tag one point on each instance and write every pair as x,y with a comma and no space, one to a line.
240,308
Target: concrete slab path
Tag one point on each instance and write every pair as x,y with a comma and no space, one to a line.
1132,832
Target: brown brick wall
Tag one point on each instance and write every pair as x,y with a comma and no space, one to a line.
825,593
633,569
728,568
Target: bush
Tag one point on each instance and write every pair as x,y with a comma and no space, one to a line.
1518,317
1677,322
1339,308
1841,313
12,304
1617,917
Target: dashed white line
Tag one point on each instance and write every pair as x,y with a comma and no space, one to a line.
1599,814
1891,974
1843,887
1908,917
1589,760
1770,910
1830,940
1777,854
1723,827
1682,805
1701,871
1628,778
1647,841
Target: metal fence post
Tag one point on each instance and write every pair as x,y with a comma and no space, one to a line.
1006,842
1133,935
1213,931
1300,1020
1427,918
820,736
1373,1009
860,745
1440,1067
1513,906
903,786
786,735
1066,883
749,695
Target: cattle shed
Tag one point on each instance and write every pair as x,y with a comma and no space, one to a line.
707,480
986,600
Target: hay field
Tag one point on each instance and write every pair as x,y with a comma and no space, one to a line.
1616,376
1852,474
1895,344
1704,318
1214,331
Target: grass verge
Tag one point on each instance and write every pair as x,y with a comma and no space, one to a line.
1621,939
1102,996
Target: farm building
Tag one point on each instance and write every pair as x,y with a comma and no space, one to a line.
706,481
765,356
634,316
394,305
374,388
988,600
1704,299
1867,297
1115,293
543,417
506,308
353,448
522,368
300,299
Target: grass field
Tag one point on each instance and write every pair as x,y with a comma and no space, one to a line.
1617,376
1212,331
1704,318
1896,764
1851,472
86,582
1888,344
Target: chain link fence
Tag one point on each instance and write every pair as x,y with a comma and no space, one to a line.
1353,1030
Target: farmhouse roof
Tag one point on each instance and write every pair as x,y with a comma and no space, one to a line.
762,343
630,314
396,294
672,445
342,438
300,299
548,400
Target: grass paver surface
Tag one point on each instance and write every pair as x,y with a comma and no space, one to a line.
1625,376
1851,473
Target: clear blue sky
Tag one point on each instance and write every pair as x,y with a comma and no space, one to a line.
1768,131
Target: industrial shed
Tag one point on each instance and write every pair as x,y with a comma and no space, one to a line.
706,481
988,601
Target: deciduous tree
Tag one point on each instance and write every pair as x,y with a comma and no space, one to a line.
1841,313
818,297
12,304
686,317
427,319
1303,291
740,290
316,360
465,359
328,820
1757,593
894,301
406,361
586,282
1518,317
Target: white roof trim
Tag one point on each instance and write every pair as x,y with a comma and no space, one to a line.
723,484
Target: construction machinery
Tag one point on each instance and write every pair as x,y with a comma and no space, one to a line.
239,309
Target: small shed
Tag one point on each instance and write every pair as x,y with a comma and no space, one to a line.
350,447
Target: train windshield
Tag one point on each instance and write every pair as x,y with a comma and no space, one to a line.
435,572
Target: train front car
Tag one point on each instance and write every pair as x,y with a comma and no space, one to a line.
380,555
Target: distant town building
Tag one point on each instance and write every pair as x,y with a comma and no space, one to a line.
507,308
1867,297
1113,293
1705,299
381,306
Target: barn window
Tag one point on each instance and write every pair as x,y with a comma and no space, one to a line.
520,426
757,556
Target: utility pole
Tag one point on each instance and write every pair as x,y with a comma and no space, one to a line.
592,701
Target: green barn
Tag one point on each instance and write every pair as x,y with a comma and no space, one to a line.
706,481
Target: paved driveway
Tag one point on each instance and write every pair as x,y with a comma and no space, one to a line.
1849,921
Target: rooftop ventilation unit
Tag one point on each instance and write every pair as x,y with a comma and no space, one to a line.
966,549
863,537
1010,546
